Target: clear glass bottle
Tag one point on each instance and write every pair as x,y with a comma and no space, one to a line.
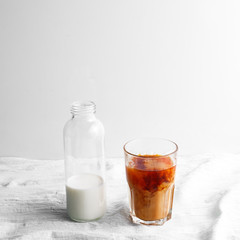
84,163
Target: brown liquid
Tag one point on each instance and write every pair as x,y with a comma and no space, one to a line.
151,182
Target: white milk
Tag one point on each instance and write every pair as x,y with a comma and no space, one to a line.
85,197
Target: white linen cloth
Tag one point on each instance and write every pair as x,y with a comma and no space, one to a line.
206,202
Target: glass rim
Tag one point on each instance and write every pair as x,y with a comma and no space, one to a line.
144,138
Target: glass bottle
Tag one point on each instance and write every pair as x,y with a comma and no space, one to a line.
84,163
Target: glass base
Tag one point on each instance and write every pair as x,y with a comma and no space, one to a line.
158,222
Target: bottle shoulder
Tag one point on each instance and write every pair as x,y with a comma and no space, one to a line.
91,126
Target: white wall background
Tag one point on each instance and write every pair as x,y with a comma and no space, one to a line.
154,68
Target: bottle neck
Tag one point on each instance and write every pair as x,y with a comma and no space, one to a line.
90,116
83,109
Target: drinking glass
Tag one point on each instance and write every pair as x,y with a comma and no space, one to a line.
150,171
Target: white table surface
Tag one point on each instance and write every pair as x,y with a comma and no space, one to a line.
206,202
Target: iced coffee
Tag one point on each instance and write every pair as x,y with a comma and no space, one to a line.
150,179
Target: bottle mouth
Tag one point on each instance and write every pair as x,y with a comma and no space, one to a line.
82,107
